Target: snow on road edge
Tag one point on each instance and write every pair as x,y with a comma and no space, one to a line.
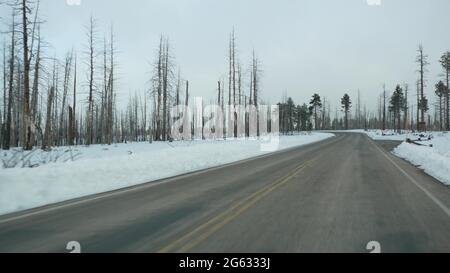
435,160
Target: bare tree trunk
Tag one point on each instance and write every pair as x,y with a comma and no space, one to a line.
405,108
447,96
186,103
70,137
323,112
158,110
230,77
90,125
35,90
73,137
422,61
46,143
111,90
7,139
104,96
187,94
384,107
27,145
239,83
5,103
67,68
418,108
255,90
218,92
233,50
165,91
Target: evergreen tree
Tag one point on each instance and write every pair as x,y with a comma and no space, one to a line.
304,115
314,107
445,62
440,90
346,105
396,105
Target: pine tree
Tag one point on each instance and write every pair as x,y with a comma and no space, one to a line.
314,107
346,105
440,90
445,62
396,105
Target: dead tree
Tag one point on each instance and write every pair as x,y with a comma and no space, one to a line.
230,77
255,86
111,94
7,137
423,105
72,121
46,143
5,102
239,80
405,107
418,105
165,89
26,120
35,89
91,54
384,107
67,72
159,90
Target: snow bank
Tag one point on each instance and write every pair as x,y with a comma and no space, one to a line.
435,160
390,135
101,168
379,134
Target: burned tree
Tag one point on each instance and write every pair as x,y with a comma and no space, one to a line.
422,61
91,35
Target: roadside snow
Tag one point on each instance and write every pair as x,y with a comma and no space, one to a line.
390,135
435,160
80,171
378,134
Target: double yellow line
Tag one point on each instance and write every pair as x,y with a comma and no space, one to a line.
202,232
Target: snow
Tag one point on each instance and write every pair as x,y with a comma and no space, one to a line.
67,173
435,160
377,134
390,135
385,134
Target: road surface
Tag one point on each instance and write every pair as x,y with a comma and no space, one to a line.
331,196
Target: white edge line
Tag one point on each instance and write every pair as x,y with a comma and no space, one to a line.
412,180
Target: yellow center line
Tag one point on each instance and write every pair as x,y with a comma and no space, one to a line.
202,232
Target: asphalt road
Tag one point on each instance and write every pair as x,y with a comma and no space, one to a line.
331,196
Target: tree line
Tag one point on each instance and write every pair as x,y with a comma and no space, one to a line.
395,110
46,103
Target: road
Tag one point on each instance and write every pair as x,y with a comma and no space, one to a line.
332,196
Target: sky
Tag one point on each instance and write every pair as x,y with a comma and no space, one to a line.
330,47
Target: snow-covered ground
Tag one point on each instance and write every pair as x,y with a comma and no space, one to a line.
377,134
67,173
385,134
393,135
435,160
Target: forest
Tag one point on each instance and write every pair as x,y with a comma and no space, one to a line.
46,103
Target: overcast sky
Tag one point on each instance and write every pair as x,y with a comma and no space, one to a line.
305,46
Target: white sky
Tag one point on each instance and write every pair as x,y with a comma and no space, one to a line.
305,46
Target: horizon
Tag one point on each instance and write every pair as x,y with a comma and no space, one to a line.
309,49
